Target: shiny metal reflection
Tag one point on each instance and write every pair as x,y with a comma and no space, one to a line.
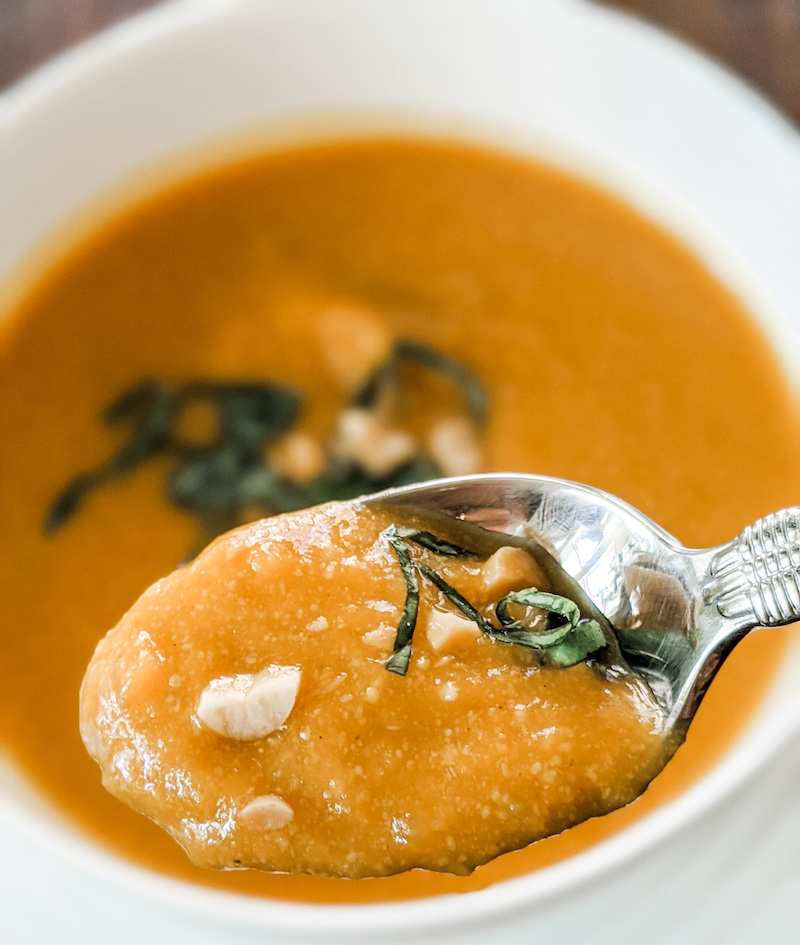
677,611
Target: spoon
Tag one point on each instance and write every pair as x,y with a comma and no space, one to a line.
677,612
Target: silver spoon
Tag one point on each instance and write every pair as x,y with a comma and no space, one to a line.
677,612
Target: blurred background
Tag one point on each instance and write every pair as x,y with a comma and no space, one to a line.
759,39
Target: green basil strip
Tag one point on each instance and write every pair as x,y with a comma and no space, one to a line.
471,388
456,599
565,645
69,501
151,431
150,404
383,377
583,640
530,597
257,413
133,401
386,376
398,662
437,545
534,639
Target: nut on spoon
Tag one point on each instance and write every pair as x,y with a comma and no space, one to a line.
677,612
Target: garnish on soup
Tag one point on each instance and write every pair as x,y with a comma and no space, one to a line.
237,452
555,628
244,703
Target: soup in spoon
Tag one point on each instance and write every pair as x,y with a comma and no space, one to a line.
339,693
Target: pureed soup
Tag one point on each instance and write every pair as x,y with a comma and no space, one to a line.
356,691
607,352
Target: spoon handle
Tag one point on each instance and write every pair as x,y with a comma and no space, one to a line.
755,579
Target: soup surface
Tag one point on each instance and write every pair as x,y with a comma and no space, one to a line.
357,691
609,354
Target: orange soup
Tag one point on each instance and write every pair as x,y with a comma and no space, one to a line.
358,691
608,354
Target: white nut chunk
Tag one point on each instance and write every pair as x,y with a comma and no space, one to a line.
354,341
508,569
449,633
365,439
453,444
298,457
381,637
266,812
247,707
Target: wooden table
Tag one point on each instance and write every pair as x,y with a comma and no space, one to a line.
760,39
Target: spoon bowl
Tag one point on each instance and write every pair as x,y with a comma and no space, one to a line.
677,612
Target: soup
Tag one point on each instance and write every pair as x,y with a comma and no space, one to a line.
609,354
357,691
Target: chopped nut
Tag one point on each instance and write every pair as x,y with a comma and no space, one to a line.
449,691
246,707
510,569
354,342
267,812
453,444
448,633
298,457
365,439
381,637
335,683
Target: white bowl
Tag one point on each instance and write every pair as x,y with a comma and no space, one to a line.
591,92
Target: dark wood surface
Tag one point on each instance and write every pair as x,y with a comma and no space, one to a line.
759,39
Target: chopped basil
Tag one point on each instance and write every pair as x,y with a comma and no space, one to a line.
584,639
257,414
565,640
458,600
69,501
437,545
554,604
398,663
386,378
226,477
151,407
567,643
471,388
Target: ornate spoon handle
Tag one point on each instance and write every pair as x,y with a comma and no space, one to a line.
755,579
